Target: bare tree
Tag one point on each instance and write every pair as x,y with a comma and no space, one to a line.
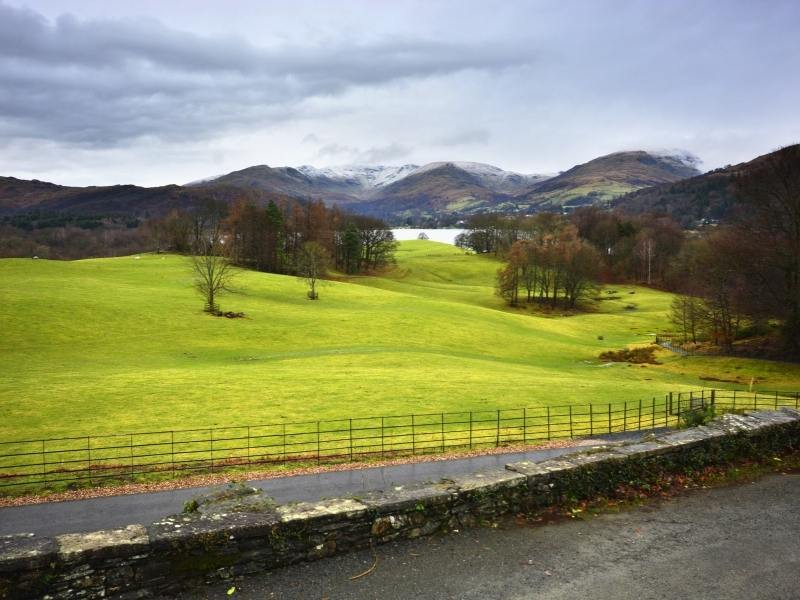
212,269
688,313
312,265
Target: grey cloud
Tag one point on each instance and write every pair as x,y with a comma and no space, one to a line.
102,82
369,156
384,154
472,136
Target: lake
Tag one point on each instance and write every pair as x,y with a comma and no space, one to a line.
446,236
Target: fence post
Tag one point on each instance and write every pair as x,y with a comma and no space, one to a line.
497,433
625,417
609,417
571,435
89,459
131,435
591,420
525,426
548,423
382,437
776,400
713,397
318,453
470,430
734,400
442,432
283,439
797,399
211,444
248,449
44,463
351,440
413,437
639,425
670,404
653,413
172,450
755,401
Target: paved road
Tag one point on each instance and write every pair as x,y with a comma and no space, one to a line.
118,511
740,542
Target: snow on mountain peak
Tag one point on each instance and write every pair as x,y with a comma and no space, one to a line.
367,177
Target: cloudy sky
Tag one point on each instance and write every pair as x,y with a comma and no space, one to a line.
167,91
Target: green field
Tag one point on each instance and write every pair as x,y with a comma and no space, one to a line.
118,345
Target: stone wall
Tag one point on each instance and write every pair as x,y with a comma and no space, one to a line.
237,531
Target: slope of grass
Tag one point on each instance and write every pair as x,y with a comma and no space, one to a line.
116,345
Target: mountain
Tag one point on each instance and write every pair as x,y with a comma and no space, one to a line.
356,184
365,178
20,197
287,181
607,177
705,198
437,190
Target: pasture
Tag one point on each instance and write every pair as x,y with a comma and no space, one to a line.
122,345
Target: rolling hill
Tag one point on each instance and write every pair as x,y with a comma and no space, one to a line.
428,336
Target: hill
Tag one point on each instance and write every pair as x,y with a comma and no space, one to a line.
607,177
705,198
19,196
122,344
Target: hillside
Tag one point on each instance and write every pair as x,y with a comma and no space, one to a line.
707,197
607,177
444,188
287,181
20,197
426,337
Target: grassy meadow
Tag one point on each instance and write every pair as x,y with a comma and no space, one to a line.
122,344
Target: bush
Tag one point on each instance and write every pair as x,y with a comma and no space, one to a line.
635,356
698,416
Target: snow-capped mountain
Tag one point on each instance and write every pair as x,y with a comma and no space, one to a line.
366,177
463,188
361,182
492,177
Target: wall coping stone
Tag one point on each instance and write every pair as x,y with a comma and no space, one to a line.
102,544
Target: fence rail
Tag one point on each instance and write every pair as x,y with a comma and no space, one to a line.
34,465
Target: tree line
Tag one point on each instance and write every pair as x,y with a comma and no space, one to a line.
287,237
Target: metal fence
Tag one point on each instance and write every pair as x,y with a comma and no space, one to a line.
56,463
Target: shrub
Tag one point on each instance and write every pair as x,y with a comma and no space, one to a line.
635,356
697,416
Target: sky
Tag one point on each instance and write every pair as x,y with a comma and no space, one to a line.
98,92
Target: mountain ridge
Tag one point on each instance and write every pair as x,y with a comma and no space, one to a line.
444,189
